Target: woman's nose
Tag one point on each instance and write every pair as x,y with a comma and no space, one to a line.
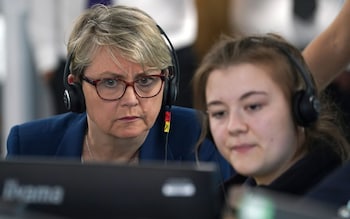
236,123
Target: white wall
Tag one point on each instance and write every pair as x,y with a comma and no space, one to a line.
23,95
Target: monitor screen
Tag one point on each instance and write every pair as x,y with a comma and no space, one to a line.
106,190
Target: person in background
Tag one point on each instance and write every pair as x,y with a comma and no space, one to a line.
327,55
121,80
266,115
49,25
317,27
332,46
298,21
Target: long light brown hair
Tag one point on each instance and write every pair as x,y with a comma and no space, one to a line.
230,51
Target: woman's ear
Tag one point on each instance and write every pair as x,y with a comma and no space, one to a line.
71,79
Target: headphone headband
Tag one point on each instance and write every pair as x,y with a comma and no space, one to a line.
306,106
73,96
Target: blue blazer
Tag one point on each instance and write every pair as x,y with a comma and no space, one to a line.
63,136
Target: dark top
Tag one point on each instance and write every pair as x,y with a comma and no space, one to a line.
301,177
63,135
334,190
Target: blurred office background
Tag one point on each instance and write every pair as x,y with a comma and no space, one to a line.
25,96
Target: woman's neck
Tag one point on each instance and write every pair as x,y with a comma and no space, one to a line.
268,179
111,149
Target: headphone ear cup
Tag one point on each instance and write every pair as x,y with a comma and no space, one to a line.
173,84
171,88
306,108
74,98
166,92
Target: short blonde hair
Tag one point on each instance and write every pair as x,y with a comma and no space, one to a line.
130,32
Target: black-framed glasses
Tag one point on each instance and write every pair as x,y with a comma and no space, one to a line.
145,86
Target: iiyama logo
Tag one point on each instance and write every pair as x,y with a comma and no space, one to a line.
32,194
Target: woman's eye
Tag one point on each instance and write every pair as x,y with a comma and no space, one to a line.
109,82
254,107
217,114
145,81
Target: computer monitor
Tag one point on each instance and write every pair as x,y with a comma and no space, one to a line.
107,190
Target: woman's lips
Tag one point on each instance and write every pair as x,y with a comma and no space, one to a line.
129,118
242,148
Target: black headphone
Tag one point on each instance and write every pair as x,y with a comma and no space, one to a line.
73,96
74,99
306,105
173,80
